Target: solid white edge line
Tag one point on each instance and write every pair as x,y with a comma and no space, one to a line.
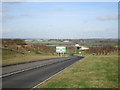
23,70
55,74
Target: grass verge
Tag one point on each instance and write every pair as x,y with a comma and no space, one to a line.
24,59
12,57
91,72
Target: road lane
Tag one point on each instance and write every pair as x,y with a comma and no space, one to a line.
32,77
20,67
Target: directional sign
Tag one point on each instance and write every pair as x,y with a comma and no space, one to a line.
61,49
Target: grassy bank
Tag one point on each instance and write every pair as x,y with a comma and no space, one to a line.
12,57
91,72
26,58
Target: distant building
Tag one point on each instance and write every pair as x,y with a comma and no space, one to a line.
83,48
77,45
28,40
66,41
40,40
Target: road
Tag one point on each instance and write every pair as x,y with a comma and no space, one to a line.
32,77
18,68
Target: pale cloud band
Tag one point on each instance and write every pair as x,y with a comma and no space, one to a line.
10,17
60,0
110,17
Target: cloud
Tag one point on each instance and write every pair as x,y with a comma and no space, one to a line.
8,10
5,31
23,15
0,17
60,9
61,0
13,0
6,17
10,6
106,18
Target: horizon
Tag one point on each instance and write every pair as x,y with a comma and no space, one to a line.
60,39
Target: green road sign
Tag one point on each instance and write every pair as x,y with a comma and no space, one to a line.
61,49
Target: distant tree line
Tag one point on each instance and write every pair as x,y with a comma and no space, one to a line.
104,50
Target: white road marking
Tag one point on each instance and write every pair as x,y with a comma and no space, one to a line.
54,75
23,70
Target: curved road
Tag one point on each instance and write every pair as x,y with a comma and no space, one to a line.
33,76
15,68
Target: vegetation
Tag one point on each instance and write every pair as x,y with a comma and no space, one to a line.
72,42
7,42
12,57
16,51
104,50
19,45
92,72
99,69
71,49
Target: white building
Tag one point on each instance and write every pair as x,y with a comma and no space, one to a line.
83,48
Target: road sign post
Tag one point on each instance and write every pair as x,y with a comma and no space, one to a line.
61,50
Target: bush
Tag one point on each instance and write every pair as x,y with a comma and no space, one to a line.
104,50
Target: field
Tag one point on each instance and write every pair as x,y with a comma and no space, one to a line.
48,42
99,71
83,42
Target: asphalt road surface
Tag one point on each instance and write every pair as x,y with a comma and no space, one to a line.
32,77
15,68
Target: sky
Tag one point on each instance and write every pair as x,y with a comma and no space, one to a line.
60,20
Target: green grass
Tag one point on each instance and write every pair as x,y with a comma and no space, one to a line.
11,57
91,72
25,58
